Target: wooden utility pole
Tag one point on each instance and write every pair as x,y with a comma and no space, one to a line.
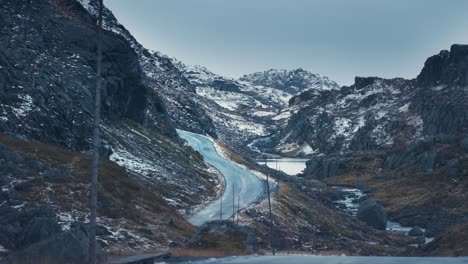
288,241
233,205
271,218
221,209
238,208
96,143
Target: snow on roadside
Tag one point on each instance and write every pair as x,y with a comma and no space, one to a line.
223,154
3,249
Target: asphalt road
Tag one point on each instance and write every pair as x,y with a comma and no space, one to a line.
245,185
309,259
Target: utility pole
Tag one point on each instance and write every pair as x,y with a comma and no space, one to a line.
238,208
271,218
269,209
221,209
233,205
288,241
96,142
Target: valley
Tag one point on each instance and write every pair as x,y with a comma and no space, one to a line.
376,168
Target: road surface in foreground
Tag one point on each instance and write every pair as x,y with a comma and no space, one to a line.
309,259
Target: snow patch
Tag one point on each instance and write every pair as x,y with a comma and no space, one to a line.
133,163
3,249
24,107
404,108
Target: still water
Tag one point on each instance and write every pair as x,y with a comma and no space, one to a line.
287,165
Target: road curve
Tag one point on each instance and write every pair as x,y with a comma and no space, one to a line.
245,185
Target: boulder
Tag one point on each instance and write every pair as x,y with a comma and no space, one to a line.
69,247
373,214
38,229
428,161
223,235
464,144
57,176
415,232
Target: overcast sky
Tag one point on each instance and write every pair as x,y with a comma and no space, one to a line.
337,38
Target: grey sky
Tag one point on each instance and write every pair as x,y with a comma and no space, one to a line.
338,38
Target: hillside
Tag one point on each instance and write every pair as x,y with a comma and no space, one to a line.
47,69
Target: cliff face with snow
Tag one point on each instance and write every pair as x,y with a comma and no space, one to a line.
253,107
377,113
47,84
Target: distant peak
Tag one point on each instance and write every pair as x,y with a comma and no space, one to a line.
292,81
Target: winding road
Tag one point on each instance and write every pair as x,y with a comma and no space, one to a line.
243,183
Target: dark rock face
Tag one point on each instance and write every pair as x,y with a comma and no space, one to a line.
22,228
52,250
47,75
378,114
47,84
446,67
416,232
224,235
290,81
326,167
428,162
373,214
172,99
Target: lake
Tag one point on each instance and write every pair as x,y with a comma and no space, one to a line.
289,166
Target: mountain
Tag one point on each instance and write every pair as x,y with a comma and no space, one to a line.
163,79
376,113
403,141
292,82
252,107
47,69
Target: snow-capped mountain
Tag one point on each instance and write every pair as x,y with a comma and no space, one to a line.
164,79
376,113
47,84
292,82
243,111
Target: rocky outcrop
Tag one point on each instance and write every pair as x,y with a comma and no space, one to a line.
20,228
416,232
48,65
224,236
373,214
379,114
52,250
323,168
293,81
447,67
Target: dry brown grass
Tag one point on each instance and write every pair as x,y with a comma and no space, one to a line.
234,156
115,186
454,242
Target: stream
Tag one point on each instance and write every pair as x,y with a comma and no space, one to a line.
351,198
350,204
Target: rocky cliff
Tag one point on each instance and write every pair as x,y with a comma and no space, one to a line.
47,82
376,113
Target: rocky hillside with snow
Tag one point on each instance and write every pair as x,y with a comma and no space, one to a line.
404,141
198,100
250,108
376,113
292,82
47,82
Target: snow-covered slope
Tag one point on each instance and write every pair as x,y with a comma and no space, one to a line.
292,82
376,113
244,111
